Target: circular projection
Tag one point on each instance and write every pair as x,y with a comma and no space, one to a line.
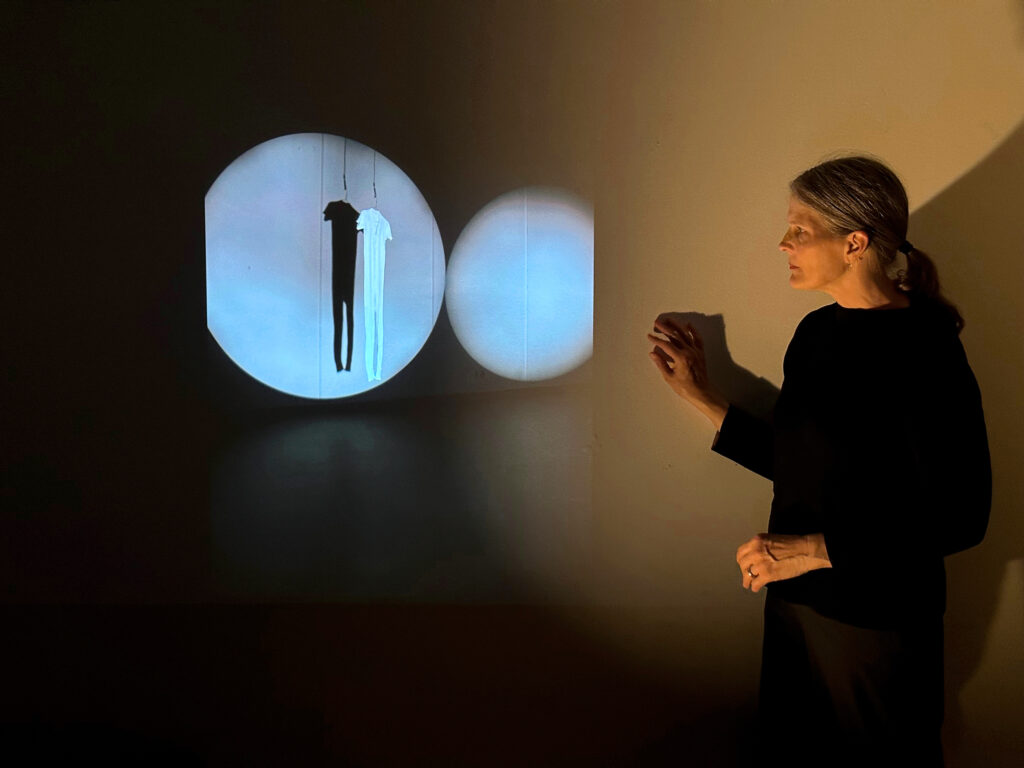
324,266
520,287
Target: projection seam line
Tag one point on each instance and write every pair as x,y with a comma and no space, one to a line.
526,282
320,287
433,289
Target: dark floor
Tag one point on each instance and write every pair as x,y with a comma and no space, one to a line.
341,685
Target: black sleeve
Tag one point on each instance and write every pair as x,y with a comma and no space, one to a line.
949,451
747,440
898,502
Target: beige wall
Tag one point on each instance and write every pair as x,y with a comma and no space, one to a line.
684,121
714,106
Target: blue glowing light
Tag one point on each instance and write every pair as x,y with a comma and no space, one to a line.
520,284
277,223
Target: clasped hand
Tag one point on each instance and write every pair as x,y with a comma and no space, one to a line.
772,557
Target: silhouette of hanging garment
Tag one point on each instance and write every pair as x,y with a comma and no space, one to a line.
376,231
343,219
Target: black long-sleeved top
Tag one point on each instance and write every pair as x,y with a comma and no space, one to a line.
878,442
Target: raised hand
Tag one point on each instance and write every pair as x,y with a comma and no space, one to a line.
678,354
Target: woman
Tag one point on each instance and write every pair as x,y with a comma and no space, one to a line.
880,464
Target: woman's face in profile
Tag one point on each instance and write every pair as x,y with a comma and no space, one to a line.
815,255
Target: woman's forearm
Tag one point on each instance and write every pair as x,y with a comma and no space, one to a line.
816,547
714,408
812,546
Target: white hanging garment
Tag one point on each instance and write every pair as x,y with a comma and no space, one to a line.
376,232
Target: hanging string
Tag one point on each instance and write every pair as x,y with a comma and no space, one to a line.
375,178
344,170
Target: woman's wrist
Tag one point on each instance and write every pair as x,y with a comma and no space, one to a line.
815,547
713,406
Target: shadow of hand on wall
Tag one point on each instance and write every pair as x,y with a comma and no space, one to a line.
971,229
754,394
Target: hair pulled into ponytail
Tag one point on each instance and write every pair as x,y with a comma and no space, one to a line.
859,193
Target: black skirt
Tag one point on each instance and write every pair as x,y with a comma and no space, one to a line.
845,694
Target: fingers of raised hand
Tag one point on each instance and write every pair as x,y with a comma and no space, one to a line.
698,342
680,333
672,324
667,335
671,320
665,345
662,362
669,352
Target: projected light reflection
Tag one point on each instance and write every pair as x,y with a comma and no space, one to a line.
285,279
520,284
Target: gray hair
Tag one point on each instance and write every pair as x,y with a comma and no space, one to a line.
862,194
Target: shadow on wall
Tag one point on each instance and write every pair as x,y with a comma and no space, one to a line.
754,394
971,230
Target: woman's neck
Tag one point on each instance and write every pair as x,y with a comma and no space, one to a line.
868,292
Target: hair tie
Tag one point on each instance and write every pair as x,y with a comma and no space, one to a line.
906,248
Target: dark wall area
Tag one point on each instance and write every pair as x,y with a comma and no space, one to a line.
121,406
199,570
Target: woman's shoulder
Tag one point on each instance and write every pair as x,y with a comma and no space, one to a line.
816,323
816,319
931,331
812,339
923,328
928,348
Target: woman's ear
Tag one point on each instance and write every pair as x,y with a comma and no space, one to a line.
857,244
